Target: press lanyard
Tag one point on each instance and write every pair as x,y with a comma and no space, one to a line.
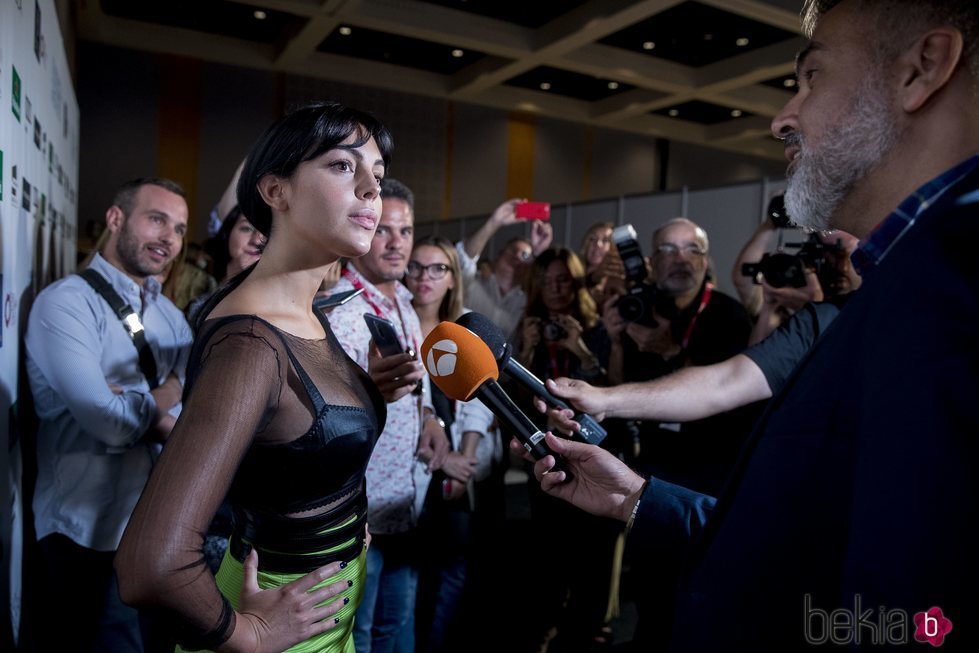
708,289
355,282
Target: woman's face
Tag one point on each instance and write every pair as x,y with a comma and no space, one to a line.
557,288
426,261
333,201
597,245
245,244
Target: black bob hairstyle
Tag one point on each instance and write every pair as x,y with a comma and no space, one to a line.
300,136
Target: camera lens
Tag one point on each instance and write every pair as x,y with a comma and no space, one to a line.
553,331
783,270
631,308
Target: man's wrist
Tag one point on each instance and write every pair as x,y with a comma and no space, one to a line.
438,420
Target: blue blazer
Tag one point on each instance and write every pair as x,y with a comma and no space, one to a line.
858,490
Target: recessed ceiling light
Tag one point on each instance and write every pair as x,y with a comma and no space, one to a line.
259,14
741,42
613,85
648,45
545,86
708,36
735,113
788,83
457,53
673,113
345,31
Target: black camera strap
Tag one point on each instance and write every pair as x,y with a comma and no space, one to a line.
130,321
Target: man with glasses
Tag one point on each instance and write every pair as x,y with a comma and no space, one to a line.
692,323
385,618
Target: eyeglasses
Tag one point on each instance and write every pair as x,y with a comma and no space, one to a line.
669,249
435,270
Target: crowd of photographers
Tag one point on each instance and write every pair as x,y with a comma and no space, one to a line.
610,315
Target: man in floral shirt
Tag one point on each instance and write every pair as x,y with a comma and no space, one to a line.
413,437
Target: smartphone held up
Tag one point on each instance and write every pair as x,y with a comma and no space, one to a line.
533,210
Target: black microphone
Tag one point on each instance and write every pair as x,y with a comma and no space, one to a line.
462,366
591,431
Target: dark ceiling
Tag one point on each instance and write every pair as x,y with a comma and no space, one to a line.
712,72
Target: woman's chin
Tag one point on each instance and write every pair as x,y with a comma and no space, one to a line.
355,249
424,298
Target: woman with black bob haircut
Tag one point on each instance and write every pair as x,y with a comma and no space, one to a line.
275,415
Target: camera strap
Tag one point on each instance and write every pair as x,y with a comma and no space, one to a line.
130,321
704,299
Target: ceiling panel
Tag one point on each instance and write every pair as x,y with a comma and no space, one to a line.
562,82
696,35
579,60
528,14
263,25
364,43
703,113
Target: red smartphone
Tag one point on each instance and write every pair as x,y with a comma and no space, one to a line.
534,211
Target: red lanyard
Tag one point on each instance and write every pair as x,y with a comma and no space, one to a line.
355,282
552,351
708,289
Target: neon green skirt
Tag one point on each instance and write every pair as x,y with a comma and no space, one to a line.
338,639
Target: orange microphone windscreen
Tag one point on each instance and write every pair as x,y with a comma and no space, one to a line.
458,361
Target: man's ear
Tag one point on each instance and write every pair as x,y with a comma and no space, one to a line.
926,67
274,190
114,218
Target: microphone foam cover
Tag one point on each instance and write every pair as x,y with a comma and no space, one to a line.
457,361
487,330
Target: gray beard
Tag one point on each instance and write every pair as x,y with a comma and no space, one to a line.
824,175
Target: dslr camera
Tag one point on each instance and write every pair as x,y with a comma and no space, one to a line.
642,299
551,331
781,269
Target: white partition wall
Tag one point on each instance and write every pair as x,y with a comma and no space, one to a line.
730,215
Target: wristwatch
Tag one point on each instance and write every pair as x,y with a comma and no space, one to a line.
438,420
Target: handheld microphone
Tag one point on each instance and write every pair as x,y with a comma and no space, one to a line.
591,432
463,367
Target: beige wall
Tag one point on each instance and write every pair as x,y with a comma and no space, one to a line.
143,113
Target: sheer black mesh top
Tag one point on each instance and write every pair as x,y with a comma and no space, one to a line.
328,460
282,425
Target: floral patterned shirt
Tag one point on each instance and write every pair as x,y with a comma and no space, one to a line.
394,476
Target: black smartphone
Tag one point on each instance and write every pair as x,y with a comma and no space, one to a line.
384,335
336,299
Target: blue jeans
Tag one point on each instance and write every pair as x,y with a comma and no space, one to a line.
385,620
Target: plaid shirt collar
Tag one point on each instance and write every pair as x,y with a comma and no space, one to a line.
891,229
